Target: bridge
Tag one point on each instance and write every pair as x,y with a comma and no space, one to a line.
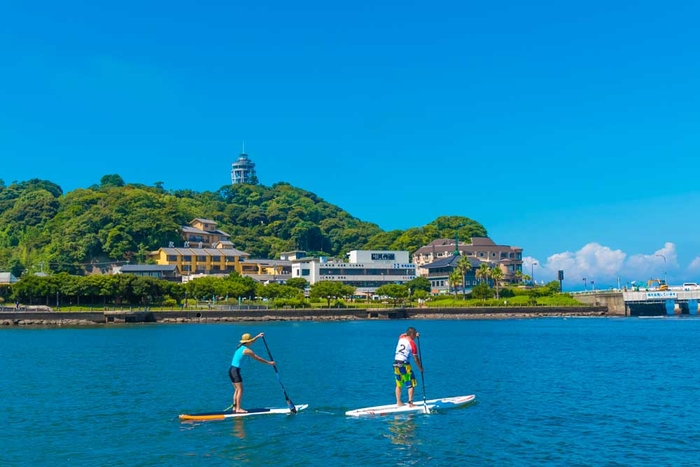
672,301
648,302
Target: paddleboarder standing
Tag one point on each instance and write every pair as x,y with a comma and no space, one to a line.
406,350
234,372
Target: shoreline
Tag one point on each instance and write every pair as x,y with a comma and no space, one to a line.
107,318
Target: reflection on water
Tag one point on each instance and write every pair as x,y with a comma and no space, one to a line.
238,429
404,437
402,430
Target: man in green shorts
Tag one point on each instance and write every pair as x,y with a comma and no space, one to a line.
405,350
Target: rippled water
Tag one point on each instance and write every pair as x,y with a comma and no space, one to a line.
549,391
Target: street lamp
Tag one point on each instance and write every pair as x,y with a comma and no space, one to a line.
593,285
585,286
532,273
664,268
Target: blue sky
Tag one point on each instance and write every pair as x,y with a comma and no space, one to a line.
570,130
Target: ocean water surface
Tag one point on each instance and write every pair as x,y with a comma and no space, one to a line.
574,392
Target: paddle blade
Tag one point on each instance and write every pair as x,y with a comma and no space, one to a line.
292,407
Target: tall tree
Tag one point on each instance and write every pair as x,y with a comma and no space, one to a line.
464,266
454,279
483,272
497,276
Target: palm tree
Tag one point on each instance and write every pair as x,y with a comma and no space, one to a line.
483,272
454,279
497,276
519,276
464,266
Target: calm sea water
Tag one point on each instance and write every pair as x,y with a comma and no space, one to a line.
550,392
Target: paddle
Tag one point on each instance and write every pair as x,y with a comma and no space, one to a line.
292,408
425,400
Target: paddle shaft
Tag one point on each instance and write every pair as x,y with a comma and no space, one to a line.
289,401
422,378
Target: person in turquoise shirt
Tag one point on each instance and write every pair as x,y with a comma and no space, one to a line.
234,372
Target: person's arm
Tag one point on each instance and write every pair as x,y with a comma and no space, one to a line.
419,364
414,351
252,355
257,337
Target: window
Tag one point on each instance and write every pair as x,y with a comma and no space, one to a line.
172,258
305,272
201,258
187,258
216,258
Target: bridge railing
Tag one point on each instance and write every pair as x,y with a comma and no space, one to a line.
650,295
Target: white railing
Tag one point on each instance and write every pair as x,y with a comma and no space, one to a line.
651,295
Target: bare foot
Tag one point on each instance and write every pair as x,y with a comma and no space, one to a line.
410,404
241,411
399,404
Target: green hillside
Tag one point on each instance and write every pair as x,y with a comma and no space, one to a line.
43,228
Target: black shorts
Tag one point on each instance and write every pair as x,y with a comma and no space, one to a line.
235,374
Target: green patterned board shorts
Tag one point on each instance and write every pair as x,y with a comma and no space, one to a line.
404,375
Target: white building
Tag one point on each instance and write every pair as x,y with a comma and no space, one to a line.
366,270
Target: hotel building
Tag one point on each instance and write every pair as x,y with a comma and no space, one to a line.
483,249
366,270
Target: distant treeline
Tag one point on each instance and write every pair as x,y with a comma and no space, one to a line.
44,229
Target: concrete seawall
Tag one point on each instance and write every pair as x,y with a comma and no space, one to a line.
613,301
316,314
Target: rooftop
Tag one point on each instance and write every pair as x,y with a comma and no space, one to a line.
451,261
148,268
203,251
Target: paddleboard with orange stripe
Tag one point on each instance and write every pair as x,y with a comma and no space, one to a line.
210,416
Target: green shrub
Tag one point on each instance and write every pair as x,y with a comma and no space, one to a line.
482,291
507,293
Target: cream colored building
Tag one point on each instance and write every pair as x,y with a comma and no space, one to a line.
508,258
202,233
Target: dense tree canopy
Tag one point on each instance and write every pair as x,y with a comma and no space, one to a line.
44,229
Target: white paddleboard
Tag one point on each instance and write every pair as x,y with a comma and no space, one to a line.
418,407
204,417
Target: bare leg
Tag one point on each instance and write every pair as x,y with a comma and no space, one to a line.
398,396
410,396
237,396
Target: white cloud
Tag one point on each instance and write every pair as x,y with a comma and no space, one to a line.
695,265
604,266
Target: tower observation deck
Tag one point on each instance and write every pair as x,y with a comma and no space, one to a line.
243,171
